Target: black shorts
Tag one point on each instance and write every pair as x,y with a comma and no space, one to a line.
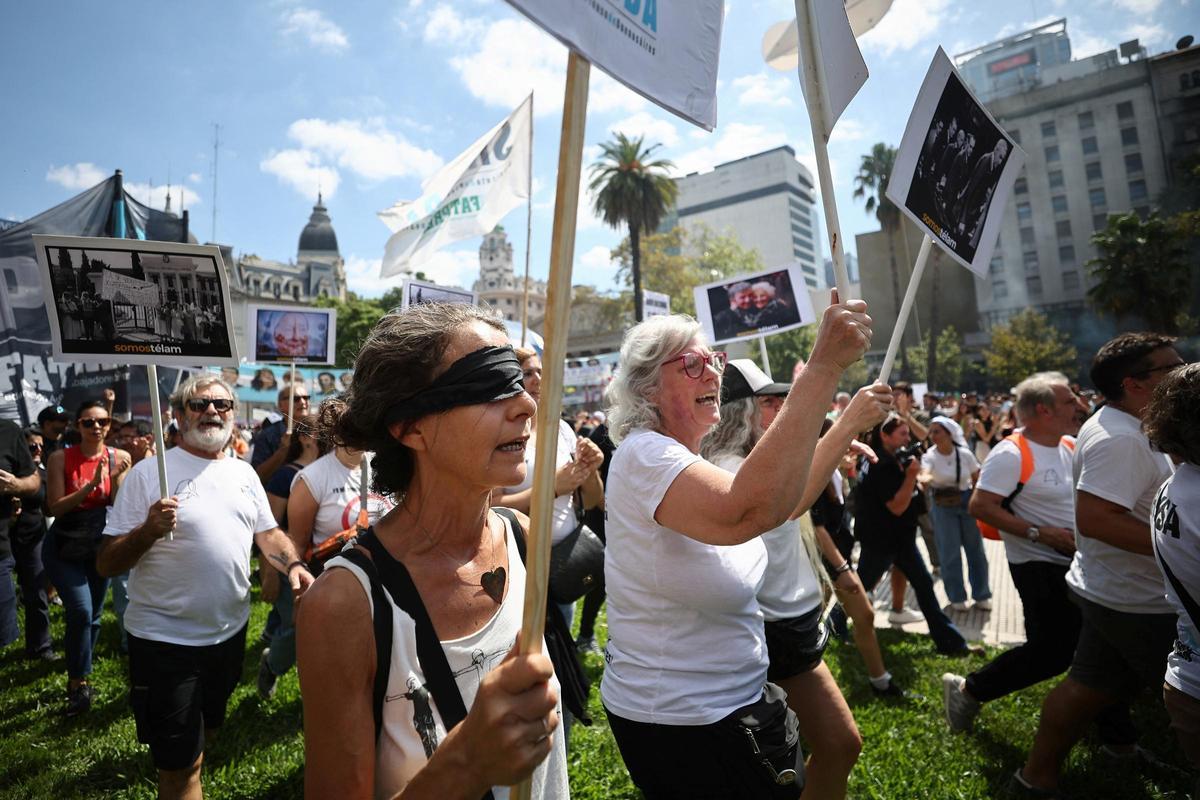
1119,652
843,540
178,691
795,646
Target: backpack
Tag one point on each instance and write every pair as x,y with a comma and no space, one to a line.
1018,438
385,572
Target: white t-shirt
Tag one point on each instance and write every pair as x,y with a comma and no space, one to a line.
790,587
944,469
1114,461
338,492
564,507
1177,542
1048,497
195,588
686,643
412,725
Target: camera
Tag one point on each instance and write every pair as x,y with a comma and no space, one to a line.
906,454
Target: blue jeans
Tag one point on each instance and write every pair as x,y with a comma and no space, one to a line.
82,591
9,630
32,575
120,596
955,532
899,547
283,638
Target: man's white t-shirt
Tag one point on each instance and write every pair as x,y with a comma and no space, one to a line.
338,492
1048,497
686,643
1114,461
946,468
790,587
193,589
1177,543
563,521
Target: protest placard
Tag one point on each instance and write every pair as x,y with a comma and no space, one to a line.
655,304
415,292
955,168
665,50
753,305
134,302
291,334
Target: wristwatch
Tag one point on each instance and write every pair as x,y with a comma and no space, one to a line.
1032,533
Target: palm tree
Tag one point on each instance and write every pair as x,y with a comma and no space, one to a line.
871,183
631,189
1141,269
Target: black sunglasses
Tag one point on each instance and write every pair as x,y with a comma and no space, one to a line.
201,404
35,448
95,422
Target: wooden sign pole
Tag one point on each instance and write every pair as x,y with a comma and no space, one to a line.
160,449
910,294
558,308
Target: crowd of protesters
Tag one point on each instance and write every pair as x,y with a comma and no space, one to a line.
727,511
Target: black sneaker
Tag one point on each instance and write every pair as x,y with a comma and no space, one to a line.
266,678
79,700
1019,787
892,692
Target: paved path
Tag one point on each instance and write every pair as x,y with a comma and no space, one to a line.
1003,625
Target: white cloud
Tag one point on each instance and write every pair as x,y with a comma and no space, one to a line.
646,124
303,171
1138,6
83,175
194,177
907,24
1146,34
445,26
850,130
729,142
765,90
367,149
598,258
451,267
1084,43
312,26
606,94
156,196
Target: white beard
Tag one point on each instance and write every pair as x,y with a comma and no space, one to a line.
210,440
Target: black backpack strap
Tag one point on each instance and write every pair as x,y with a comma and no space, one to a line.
560,645
382,621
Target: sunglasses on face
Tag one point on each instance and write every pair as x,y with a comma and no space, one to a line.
95,422
201,404
1164,367
35,448
694,363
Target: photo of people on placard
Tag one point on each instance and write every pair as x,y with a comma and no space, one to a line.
107,297
960,165
298,335
755,305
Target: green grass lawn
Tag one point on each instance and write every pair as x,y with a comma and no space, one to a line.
907,750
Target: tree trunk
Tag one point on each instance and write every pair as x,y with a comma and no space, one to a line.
897,298
931,356
635,247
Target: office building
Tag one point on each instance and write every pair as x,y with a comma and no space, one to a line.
500,287
767,201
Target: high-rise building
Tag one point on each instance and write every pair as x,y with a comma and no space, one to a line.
851,270
767,201
499,286
1090,130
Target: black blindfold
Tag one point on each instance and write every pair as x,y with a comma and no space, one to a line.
487,375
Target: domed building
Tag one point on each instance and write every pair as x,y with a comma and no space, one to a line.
318,271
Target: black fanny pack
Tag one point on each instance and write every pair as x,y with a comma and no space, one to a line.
769,736
77,533
577,562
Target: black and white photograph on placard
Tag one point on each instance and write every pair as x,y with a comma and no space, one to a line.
416,292
291,334
135,302
955,167
753,305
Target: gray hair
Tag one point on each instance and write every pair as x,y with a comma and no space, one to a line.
645,347
736,433
740,286
766,286
1036,390
196,384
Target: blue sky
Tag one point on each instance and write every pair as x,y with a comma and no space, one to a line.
366,99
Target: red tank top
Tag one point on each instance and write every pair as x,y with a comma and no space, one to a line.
79,470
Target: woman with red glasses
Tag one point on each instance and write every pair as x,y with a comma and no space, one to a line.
83,480
685,687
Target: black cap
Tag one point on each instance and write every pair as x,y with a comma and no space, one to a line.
743,379
56,413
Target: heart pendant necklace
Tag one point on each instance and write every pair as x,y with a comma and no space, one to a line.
492,581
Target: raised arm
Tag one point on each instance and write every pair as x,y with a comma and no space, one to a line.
712,506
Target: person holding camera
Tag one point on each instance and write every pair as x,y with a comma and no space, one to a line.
885,519
949,469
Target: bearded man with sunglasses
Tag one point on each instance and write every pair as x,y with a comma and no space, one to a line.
188,558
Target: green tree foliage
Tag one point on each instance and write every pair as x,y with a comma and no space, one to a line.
784,350
675,262
634,191
1141,269
1026,344
951,364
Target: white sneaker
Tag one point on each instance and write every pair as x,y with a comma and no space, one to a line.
984,605
959,607
904,616
961,709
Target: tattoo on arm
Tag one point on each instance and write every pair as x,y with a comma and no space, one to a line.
279,559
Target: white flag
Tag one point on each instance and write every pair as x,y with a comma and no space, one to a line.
665,50
466,198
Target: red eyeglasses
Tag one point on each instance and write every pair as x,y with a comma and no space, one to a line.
694,363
